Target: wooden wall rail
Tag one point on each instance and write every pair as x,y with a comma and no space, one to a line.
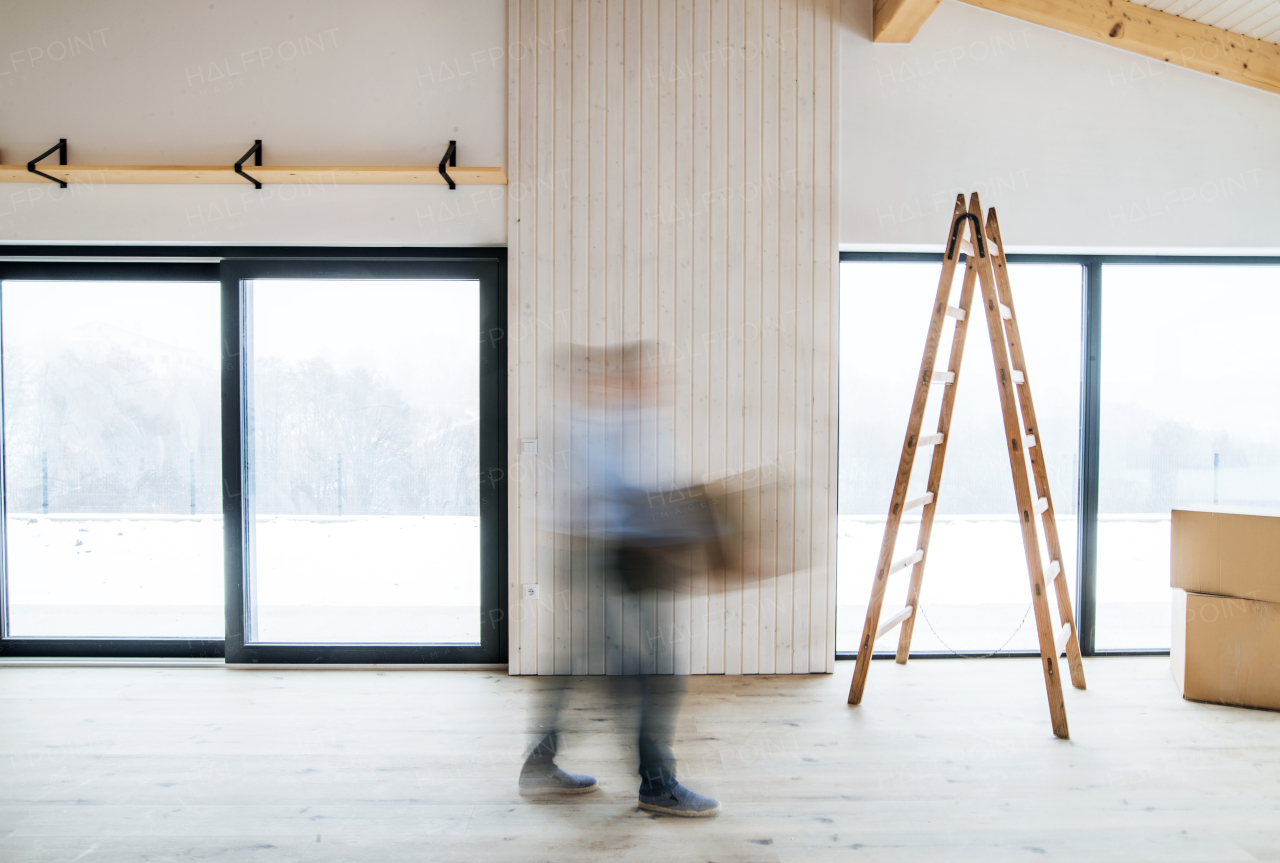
675,165
266,174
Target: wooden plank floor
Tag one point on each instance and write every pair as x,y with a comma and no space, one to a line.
944,761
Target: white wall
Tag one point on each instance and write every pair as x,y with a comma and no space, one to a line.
165,82
1077,144
1080,145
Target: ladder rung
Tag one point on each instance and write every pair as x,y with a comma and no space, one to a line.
920,501
1054,569
1006,312
1031,440
956,312
899,565
966,246
1060,641
894,621
944,377
1042,503
931,439
1018,377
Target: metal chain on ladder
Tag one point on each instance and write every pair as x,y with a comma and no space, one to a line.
929,623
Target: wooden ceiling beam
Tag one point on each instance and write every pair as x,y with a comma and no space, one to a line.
899,20
1154,34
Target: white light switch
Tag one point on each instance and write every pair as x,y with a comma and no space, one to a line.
529,446
531,591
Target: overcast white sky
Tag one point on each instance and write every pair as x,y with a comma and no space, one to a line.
184,314
1194,344
422,334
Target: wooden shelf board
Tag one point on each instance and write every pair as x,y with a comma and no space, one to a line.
266,174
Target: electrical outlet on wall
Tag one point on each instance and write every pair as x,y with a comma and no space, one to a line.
531,591
529,446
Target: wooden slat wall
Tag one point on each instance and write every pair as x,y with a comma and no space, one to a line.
672,165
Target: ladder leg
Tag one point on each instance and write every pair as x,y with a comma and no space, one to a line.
924,383
935,467
1021,484
1039,467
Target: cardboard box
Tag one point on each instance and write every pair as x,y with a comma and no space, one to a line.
1226,650
1226,552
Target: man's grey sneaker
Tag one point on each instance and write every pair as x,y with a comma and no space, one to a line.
678,800
550,779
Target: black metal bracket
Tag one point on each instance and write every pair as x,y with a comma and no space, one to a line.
256,152
955,234
450,159
61,148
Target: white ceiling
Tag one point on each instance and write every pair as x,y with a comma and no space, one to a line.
1259,19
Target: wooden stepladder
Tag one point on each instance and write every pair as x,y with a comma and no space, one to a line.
986,265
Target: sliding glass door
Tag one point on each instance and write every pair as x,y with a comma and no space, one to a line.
1149,396
363,460
267,459
362,391
1188,418
112,468
975,597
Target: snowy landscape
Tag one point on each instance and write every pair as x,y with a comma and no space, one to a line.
417,579
976,592
353,579
365,423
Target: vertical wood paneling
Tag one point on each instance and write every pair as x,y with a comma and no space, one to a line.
824,410
515,320
715,64
753,337
597,300
672,165
788,215
579,313
735,266
668,267
803,431
544,316
634,228
770,418
615,232
525,290
684,300
702,291
652,91
561,192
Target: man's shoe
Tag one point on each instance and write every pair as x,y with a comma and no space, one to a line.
550,779
678,800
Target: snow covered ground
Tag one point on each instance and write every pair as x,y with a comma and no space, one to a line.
355,579
975,592
417,579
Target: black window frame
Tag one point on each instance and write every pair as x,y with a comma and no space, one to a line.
229,266
1091,267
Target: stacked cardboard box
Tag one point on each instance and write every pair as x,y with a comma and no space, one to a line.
1225,570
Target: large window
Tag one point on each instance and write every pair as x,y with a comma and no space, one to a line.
975,596
112,468
1145,379
364,460
1189,418
271,456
